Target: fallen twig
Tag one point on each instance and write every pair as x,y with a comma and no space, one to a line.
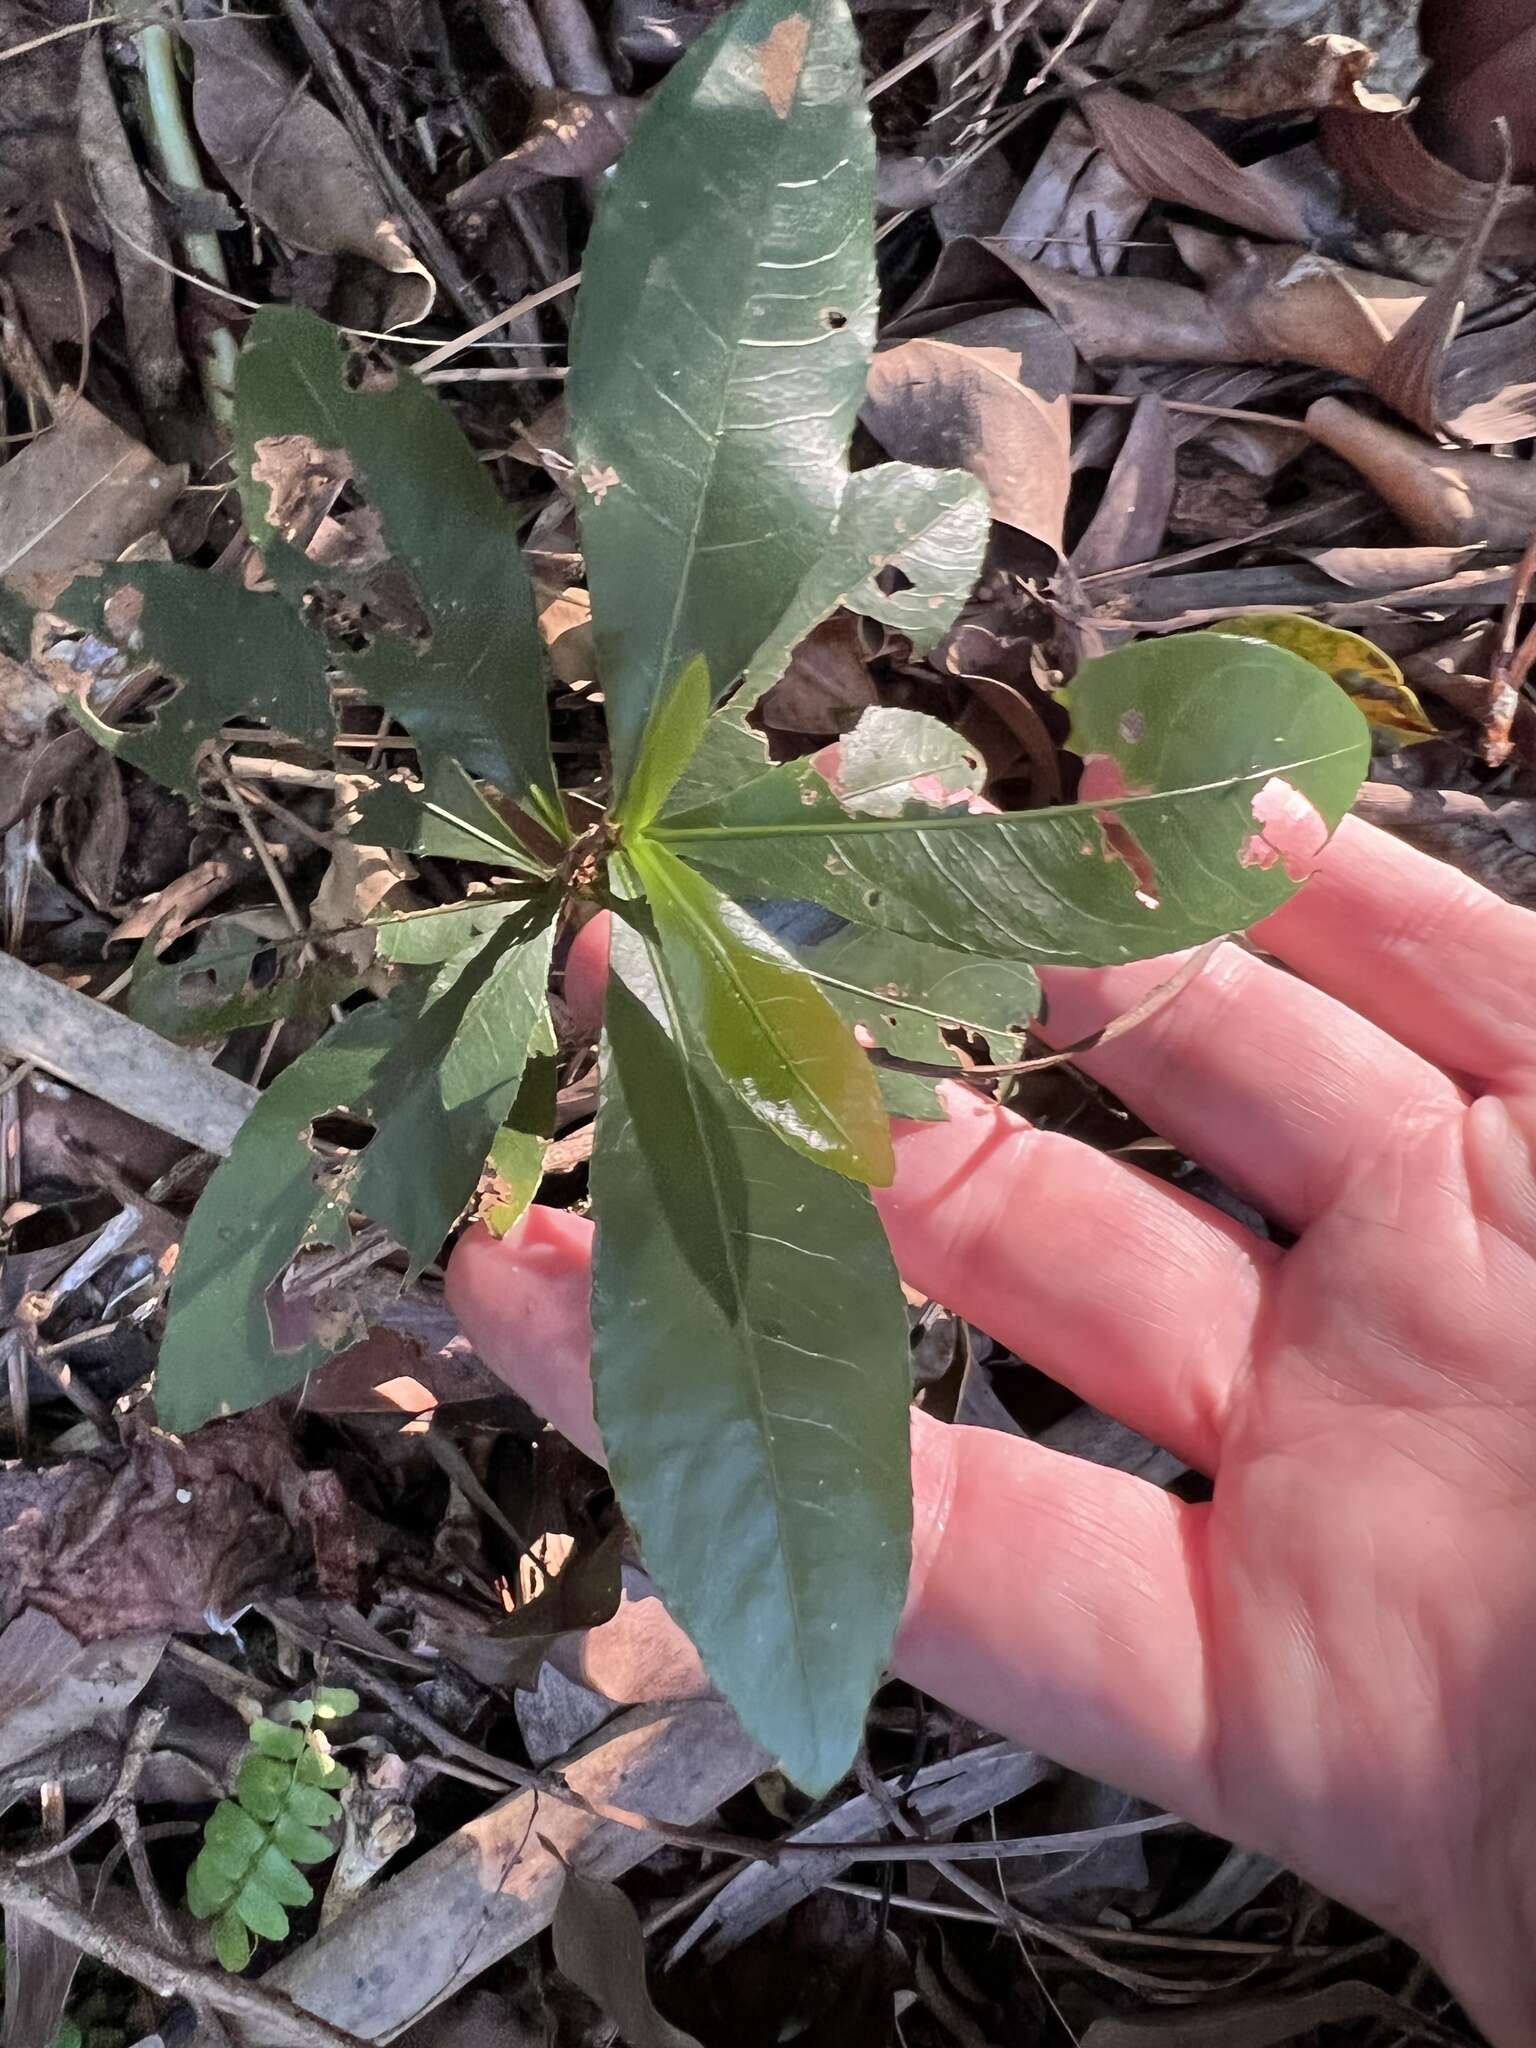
84,1043
277,2021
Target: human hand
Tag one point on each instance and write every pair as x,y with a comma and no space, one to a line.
1333,1661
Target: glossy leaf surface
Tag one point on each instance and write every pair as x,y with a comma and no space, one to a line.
931,524
1214,771
751,1374
720,346
771,1032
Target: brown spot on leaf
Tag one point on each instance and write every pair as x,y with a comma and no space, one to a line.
780,60
1118,842
302,481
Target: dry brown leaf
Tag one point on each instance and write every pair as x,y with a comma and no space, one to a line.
1390,175
79,493
1488,381
165,1533
1482,69
1167,157
1216,53
565,623
1291,304
146,285
990,395
1075,207
52,1686
294,164
1407,373
1448,495
1290,75
40,1967
1132,515
826,687
570,135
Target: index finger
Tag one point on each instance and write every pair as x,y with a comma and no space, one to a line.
1443,964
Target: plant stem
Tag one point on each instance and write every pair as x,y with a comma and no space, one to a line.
176,157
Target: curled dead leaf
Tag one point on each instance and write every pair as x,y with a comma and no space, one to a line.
1168,158
990,395
293,163
570,135
1447,495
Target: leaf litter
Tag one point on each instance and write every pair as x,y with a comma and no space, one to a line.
1188,292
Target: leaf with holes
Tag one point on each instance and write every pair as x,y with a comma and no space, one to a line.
1214,770
930,525
230,653
473,691
435,1069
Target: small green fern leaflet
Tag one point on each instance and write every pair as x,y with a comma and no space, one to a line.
246,1874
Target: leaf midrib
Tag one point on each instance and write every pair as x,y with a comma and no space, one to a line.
721,957
965,820
783,1517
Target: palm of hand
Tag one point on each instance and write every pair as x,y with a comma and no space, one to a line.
1332,1660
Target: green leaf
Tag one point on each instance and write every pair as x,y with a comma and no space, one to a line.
517,1150
261,1912
435,1070
931,524
720,348
904,993
335,1702
669,744
264,1785
233,653
312,1807
456,1075
1195,750
444,818
476,692
767,1027
275,1872
301,1844
209,1887
728,757
318,1767
232,1944
751,1376
231,1837
213,991
1370,676
287,1744
431,938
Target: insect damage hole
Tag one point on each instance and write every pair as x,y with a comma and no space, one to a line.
1291,831
833,317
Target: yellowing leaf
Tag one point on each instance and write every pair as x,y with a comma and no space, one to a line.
1372,678
769,1029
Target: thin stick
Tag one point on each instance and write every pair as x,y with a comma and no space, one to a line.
1209,412
270,2016
57,35
528,304
136,1753
81,300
